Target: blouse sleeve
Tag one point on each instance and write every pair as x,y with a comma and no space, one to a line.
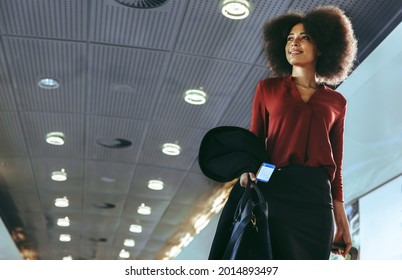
337,138
259,114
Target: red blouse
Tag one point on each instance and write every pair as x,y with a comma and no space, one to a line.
297,132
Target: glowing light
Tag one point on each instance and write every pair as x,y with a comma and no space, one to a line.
144,209
171,149
59,175
235,9
155,185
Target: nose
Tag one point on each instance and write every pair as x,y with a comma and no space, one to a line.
295,43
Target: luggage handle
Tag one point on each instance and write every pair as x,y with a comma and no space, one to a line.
353,252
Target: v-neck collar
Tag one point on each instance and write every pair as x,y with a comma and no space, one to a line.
294,91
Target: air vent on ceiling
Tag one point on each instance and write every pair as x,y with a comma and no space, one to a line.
113,143
142,4
105,205
97,240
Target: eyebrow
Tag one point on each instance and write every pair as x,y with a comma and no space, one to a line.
302,33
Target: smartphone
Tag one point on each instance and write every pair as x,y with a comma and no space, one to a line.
265,171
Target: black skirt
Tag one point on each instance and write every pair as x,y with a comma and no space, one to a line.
300,214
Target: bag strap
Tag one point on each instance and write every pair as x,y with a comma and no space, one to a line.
235,238
262,204
244,214
246,196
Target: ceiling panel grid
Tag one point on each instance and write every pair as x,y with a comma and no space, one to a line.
65,20
30,60
123,81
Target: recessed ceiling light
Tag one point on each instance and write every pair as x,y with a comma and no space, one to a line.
235,9
171,149
59,175
129,242
65,237
55,138
48,83
67,258
61,202
155,185
136,228
144,209
195,96
124,254
63,222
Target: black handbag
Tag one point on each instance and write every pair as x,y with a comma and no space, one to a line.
250,238
225,153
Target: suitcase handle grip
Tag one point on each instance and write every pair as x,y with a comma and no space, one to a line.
353,253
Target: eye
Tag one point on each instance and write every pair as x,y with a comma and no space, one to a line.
289,39
305,37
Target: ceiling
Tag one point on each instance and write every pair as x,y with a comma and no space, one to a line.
122,74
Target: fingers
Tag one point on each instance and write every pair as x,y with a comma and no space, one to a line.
252,177
245,177
347,241
347,249
339,251
344,245
342,252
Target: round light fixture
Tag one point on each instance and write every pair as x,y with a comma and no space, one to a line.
144,209
156,185
235,9
61,202
129,242
124,254
59,175
136,228
65,237
55,138
195,96
48,83
171,149
63,222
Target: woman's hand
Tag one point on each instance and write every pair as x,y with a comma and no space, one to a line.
245,176
342,235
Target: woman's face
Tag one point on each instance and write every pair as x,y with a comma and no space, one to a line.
300,48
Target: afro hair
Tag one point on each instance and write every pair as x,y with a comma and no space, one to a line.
329,28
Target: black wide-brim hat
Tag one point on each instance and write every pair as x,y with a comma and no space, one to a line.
228,151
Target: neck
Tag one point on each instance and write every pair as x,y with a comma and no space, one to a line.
304,77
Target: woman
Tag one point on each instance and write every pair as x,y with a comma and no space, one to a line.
301,121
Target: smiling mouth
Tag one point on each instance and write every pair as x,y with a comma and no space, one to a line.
294,52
